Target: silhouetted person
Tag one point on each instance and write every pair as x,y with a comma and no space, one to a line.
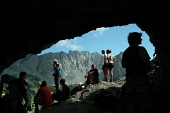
104,67
43,96
64,94
57,74
137,63
111,59
17,90
92,76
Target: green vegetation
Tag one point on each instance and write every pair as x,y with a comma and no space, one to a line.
33,85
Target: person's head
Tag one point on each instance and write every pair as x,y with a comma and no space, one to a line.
43,83
134,38
107,51
22,75
103,51
4,75
93,66
55,61
62,81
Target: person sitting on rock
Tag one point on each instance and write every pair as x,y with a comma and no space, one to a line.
43,96
77,88
64,94
92,76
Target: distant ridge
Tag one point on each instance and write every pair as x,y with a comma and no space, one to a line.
74,63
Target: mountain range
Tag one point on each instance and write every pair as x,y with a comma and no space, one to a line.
75,64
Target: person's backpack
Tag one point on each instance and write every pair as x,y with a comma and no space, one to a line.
106,99
59,72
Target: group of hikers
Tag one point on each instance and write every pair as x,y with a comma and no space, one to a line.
18,91
135,60
92,75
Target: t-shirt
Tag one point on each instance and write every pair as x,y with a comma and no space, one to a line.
96,73
46,96
58,71
133,59
20,83
66,92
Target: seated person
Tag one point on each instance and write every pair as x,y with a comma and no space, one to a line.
16,88
77,88
64,94
43,96
92,76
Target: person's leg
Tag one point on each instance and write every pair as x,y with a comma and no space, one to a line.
130,95
111,74
13,95
106,74
103,67
89,79
36,104
57,96
143,95
37,101
57,82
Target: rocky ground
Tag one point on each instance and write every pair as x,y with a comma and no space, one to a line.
82,101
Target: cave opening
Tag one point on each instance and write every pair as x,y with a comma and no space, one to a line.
114,38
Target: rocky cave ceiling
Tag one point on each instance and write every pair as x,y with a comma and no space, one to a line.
32,26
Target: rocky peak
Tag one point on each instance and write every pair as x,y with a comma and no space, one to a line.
75,64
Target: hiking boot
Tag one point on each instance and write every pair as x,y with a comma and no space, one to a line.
105,79
110,80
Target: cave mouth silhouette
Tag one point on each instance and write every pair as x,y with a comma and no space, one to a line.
109,35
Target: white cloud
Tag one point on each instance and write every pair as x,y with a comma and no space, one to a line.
69,44
99,31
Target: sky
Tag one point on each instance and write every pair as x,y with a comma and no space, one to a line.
114,38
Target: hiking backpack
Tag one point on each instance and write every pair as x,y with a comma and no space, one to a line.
106,99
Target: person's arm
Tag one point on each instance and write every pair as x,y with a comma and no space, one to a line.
1,89
105,59
26,101
114,59
58,66
88,73
122,62
145,57
55,66
147,64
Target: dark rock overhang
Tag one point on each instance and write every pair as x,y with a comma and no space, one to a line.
28,27
32,26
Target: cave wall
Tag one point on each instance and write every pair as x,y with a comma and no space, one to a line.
32,26
158,34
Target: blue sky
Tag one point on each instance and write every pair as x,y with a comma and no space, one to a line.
114,38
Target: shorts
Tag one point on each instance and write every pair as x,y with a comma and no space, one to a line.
110,65
104,66
57,79
38,101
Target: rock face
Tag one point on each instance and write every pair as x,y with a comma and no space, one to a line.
82,101
28,27
75,65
